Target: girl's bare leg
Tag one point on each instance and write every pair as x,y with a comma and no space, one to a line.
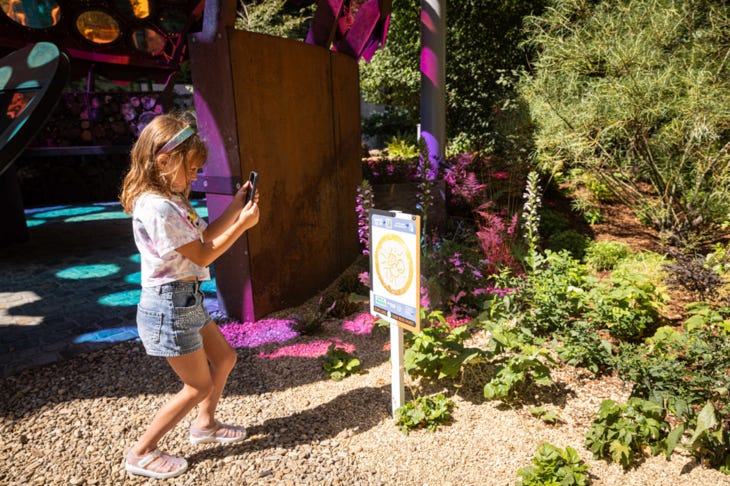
197,385
222,358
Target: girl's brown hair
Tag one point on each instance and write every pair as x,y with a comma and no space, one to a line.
145,174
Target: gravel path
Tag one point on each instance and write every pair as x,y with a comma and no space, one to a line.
70,423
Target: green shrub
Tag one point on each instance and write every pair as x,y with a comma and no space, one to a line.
387,124
582,346
570,240
401,147
555,466
635,93
553,293
646,263
623,433
587,208
438,352
515,372
627,306
338,363
710,441
681,370
605,255
424,413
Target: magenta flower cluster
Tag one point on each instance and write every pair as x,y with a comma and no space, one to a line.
362,324
313,349
463,181
388,170
254,334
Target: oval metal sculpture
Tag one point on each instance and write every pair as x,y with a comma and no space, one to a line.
31,81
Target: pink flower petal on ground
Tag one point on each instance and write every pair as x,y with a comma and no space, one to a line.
313,349
360,325
254,334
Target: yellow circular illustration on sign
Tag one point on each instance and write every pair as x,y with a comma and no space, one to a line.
394,264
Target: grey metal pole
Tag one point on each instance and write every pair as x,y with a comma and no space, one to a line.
433,79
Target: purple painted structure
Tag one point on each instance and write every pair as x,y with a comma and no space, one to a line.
355,28
433,80
222,151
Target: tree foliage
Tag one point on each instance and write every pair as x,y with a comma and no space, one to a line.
275,17
482,50
638,93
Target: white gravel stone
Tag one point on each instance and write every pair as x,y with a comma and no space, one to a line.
304,429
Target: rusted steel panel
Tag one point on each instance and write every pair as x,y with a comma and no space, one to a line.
285,110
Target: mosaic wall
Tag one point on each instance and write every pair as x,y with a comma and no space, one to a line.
84,119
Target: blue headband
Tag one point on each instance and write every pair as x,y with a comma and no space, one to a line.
177,139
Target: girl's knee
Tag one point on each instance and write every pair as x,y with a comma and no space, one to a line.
199,391
227,359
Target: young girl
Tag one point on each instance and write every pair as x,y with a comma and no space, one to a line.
176,247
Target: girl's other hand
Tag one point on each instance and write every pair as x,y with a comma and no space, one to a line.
240,196
249,215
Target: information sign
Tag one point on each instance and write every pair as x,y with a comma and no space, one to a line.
395,276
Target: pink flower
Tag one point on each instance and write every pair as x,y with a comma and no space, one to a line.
313,349
454,321
254,334
499,175
361,324
364,278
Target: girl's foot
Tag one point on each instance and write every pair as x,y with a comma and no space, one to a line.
155,464
221,434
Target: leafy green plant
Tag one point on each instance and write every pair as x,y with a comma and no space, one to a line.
710,441
341,304
551,222
547,416
451,264
424,413
646,263
386,124
338,363
703,315
439,352
313,322
680,370
580,345
553,466
719,258
627,306
553,292
623,433
604,255
516,372
401,147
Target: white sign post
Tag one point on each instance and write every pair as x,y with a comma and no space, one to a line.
395,283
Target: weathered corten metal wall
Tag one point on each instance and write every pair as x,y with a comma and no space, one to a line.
292,114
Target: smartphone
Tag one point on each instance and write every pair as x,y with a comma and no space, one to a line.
253,178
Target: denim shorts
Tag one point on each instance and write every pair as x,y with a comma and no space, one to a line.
170,317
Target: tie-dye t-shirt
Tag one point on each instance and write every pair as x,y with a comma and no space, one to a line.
160,226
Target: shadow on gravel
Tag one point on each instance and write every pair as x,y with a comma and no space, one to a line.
124,370
358,410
